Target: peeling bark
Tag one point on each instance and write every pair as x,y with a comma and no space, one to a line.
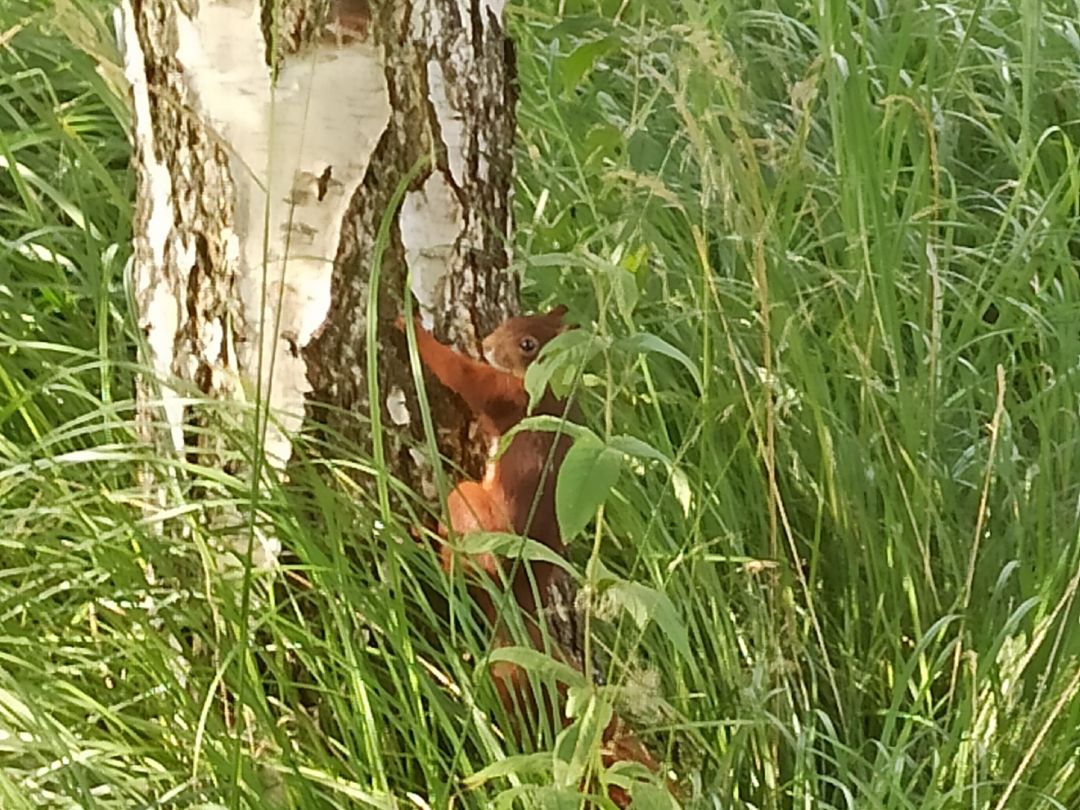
269,140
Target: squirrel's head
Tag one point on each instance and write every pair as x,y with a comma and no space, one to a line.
518,341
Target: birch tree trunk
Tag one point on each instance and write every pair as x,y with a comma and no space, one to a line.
271,137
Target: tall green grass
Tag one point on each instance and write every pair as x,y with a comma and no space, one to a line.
860,224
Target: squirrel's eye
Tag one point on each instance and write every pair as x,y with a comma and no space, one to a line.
528,345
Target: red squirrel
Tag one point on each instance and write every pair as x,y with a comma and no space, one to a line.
517,493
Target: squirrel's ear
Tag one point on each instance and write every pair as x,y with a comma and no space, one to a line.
557,313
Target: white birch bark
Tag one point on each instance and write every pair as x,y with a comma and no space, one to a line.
268,146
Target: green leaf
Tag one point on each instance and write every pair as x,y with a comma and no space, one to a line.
645,342
545,423
553,356
506,544
547,797
683,492
588,473
633,446
542,664
537,378
624,285
558,364
577,699
581,60
559,260
602,140
648,796
564,771
578,744
644,604
509,799
627,774
579,23
516,765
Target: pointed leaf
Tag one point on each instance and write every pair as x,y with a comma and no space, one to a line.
535,661
588,473
646,342
559,363
517,765
547,797
633,446
644,604
624,285
582,58
648,796
585,735
506,544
